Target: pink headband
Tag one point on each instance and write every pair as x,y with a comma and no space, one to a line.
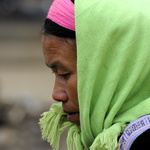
62,13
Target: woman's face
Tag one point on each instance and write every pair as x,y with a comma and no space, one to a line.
60,56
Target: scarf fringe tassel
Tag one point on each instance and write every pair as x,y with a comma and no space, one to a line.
107,140
53,123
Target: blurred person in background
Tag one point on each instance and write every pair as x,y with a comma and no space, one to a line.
99,52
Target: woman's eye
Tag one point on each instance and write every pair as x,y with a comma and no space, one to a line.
65,76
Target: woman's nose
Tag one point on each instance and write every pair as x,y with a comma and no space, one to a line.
59,93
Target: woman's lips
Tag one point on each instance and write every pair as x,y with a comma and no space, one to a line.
73,118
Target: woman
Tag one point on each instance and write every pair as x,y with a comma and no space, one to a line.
99,53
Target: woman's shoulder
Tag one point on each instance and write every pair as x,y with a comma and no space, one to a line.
136,135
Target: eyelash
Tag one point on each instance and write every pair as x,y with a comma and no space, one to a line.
64,76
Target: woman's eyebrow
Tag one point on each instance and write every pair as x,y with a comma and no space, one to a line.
56,65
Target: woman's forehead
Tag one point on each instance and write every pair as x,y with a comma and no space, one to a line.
50,40
58,50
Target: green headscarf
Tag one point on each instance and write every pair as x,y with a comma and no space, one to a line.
113,65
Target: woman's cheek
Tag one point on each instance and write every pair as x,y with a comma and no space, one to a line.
72,90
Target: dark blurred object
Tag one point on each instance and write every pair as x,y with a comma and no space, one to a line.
15,113
19,129
8,6
30,8
26,136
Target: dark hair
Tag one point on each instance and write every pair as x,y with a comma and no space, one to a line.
51,27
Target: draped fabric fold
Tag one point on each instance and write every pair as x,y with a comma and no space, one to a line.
113,65
113,54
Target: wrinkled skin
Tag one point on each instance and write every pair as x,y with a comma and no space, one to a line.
60,56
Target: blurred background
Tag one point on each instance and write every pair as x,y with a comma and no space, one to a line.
25,82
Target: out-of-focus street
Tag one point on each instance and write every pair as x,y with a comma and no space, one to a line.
25,83
22,68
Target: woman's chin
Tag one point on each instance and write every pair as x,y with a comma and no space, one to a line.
74,118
